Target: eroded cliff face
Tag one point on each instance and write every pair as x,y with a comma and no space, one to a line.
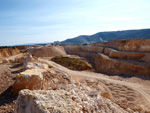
110,61
138,56
110,66
141,45
7,52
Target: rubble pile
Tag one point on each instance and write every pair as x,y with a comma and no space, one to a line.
37,76
71,98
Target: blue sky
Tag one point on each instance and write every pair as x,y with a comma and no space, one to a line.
34,21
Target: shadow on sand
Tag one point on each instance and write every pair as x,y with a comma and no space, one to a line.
7,96
17,66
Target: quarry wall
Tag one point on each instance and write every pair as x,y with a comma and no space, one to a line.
103,60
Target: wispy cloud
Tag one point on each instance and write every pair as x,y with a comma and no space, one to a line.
28,21
121,18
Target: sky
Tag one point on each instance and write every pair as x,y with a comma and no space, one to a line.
40,21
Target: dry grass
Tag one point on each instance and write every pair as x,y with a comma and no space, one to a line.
72,63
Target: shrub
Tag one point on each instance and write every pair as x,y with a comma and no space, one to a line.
72,63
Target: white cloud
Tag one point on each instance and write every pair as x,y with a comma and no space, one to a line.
121,18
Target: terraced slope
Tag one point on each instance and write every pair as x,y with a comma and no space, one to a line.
109,60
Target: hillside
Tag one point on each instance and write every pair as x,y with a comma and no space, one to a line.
108,36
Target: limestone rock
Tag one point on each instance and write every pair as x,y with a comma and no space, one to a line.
25,81
32,76
40,78
44,102
71,100
92,93
35,65
31,63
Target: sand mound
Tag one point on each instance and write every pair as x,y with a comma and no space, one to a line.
47,52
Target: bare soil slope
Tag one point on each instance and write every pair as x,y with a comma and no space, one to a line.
7,98
48,51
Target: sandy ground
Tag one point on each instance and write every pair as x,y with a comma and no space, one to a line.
130,92
7,99
7,78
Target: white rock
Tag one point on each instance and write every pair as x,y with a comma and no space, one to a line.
92,93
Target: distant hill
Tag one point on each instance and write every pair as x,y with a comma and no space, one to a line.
108,36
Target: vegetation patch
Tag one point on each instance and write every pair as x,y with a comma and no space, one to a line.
72,63
13,47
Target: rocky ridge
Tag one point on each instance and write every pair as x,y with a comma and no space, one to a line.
108,36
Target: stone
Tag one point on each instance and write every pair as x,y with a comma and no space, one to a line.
32,76
25,81
5,61
44,102
92,93
62,101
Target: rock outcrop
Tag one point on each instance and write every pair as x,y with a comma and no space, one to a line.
25,81
68,99
31,77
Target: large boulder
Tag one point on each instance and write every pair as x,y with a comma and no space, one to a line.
32,76
26,81
70,99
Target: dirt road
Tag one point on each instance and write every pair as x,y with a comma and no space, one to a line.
132,93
